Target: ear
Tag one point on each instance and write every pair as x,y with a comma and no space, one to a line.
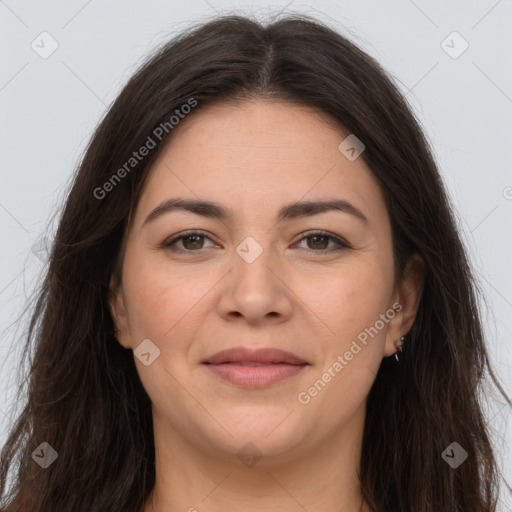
117,306
405,300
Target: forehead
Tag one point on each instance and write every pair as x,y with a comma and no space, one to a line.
260,152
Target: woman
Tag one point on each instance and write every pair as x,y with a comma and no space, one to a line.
256,230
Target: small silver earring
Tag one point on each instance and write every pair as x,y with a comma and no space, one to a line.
399,346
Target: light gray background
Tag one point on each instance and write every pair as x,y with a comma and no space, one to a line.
50,106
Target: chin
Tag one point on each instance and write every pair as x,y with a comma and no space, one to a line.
267,434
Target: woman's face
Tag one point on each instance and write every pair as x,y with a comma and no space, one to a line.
254,279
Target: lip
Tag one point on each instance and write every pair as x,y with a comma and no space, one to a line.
260,355
254,368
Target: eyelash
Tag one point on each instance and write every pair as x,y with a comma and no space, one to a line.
342,244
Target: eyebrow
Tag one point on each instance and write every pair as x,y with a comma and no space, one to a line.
214,210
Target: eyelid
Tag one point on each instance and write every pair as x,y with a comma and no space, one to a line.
183,234
339,241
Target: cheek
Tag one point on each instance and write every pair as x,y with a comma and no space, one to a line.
160,308
354,300
350,306
154,298
149,302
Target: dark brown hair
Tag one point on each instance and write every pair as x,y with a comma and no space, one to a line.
84,396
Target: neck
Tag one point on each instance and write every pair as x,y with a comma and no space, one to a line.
317,477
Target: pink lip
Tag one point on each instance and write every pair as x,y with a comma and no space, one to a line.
233,365
260,355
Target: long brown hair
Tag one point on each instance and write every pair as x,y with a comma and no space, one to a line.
84,396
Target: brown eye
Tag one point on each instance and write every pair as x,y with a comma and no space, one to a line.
192,241
319,241
186,242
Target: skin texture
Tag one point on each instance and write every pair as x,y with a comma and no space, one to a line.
254,157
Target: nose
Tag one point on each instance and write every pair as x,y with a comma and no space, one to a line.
255,290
